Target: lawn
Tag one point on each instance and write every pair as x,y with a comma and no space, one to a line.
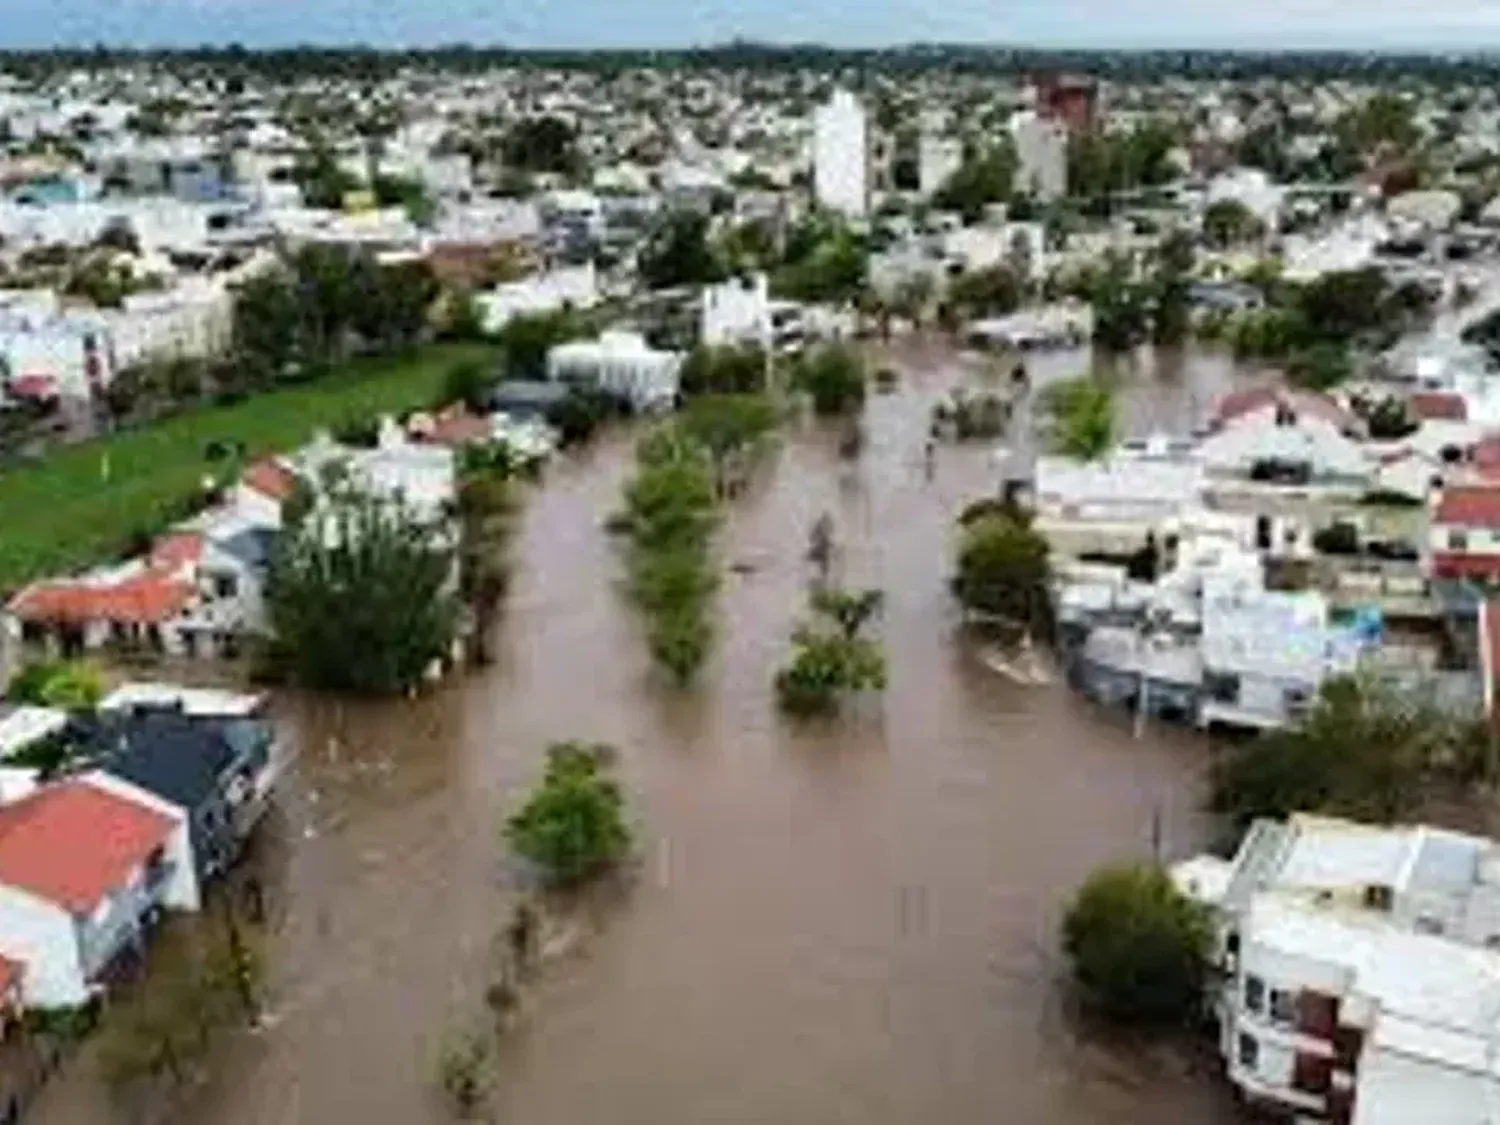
84,503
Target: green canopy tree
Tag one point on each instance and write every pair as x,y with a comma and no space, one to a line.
1138,947
833,375
1002,569
361,595
1082,412
572,827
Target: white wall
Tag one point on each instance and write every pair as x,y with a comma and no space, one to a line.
1041,156
42,937
841,156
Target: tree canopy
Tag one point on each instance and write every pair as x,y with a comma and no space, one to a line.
572,827
1002,568
1139,948
361,595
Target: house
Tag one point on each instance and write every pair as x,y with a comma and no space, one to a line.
1266,653
1109,506
740,311
1275,434
83,871
217,772
621,364
574,287
1464,532
1360,969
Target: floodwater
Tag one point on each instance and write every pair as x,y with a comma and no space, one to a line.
849,922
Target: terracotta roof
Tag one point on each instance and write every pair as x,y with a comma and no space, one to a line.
73,842
1434,406
32,386
459,427
143,599
174,551
1469,506
270,478
1236,404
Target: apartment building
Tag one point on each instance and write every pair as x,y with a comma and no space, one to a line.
1360,970
841,171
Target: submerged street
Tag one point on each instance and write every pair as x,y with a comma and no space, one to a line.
844,922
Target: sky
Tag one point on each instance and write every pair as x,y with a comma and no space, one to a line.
1261,24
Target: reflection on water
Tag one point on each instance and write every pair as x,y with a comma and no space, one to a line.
852,922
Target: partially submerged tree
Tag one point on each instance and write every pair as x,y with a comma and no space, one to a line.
830,657
1138,947
833,376
1003,569
361,594
572,827
1082,413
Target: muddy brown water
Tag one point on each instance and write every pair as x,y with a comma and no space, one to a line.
853,922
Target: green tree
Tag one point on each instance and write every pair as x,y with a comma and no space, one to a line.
543,144
1082,413
849,610
1360,752
526,339
572,827
679,252
1227,222
1138,947
986,176
724,370
833,375
470,383
727,426
73,686
464,1074
361,595
1122,314
993,291
1003,569
1320,367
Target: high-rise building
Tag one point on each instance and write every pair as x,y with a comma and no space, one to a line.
1041,155
841,170
1070,99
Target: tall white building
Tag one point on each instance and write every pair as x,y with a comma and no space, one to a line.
841,169
1361,970
1041,155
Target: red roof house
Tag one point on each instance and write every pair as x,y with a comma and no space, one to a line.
76,864
1465,532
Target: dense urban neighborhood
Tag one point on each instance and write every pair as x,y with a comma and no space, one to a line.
749,584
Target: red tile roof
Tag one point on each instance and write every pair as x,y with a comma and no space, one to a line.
32,386
73,842
174,551
1236,404
457,428
270,478
143,599
1434,406
1469,506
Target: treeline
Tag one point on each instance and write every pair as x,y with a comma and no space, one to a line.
368,63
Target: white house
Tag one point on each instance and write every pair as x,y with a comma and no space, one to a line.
740,311
83,867
568,287
1361,970
841,172
1464,531
1309,435
623,364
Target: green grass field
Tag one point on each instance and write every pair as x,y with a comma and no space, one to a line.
62,513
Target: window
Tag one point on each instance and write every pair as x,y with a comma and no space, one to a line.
1249,1051
1222,687
1283,1006
1458,540
1255,994
225,586
1312,1074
